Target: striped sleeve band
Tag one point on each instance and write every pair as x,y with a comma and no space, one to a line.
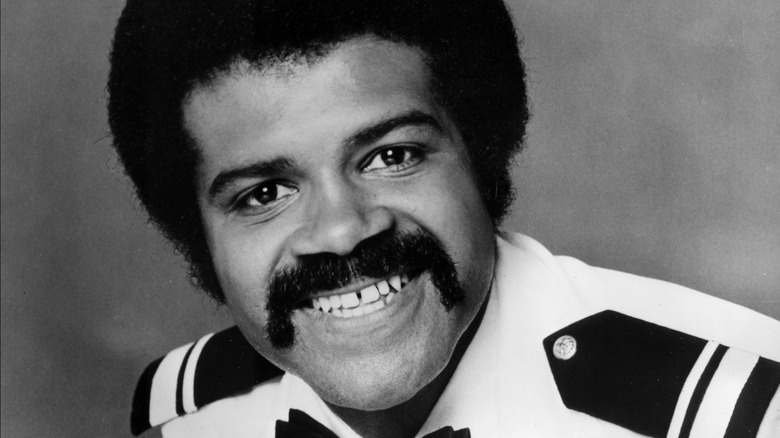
730,396
660,382
215,367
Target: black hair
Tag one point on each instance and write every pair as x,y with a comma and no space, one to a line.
162,49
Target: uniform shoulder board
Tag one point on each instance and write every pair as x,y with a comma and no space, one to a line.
216,366
657,381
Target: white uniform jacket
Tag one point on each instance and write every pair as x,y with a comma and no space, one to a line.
546,361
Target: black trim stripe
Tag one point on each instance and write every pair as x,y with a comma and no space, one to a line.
139,415
227,366
180,381
701,389
754,399
626,371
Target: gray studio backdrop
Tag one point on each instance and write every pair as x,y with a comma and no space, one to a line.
653,149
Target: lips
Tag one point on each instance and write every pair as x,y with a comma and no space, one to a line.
367,300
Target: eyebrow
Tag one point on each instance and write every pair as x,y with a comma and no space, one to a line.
256,170
379,130
368,135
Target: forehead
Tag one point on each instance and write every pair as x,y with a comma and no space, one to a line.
359,81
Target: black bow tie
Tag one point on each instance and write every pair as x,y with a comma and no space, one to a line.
302,425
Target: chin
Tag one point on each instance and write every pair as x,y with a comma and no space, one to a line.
375,397
383,389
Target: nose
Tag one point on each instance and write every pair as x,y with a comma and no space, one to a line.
339,217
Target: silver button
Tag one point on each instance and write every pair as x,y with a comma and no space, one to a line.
565,347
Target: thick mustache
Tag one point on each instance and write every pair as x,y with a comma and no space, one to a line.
378,258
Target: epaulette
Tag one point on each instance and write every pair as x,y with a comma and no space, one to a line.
657,381
215,367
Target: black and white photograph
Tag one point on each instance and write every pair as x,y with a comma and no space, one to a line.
390,218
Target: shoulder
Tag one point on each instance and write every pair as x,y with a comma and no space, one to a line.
215,368
650,356
658,381
673,306
574,290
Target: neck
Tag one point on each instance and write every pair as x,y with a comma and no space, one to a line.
406,419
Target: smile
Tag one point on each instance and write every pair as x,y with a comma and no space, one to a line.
367,300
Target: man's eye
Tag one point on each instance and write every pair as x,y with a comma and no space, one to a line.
265,194
395,158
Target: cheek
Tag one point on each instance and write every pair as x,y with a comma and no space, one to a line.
453,206
458,217
234,260
243,270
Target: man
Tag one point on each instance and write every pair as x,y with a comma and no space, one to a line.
336,174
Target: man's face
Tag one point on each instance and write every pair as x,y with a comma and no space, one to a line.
310,173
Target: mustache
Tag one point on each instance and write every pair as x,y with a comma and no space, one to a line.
377,257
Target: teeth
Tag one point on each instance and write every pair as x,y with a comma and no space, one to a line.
368,300
369,294
395,281
335,301
324,304
350,300
364,309
368,308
